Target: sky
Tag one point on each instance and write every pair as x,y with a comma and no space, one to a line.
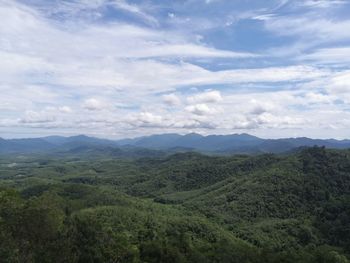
122,68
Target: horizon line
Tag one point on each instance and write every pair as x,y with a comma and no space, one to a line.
170,133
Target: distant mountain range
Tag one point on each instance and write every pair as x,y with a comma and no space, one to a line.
234,143
221,144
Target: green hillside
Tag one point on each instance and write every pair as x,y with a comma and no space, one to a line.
184,207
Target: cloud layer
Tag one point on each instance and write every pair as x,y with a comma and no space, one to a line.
121,69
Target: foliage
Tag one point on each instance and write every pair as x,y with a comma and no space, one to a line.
185,207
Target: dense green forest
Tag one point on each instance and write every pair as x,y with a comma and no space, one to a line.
184,207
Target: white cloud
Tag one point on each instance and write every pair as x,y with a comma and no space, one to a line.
272,74
37,117
171,99
335,55
194,124
93,104
313,97
91,9
339,86
147,119
65,109
311,28
341,83
206,97
50,69
201,109
135,10
258,107
322,3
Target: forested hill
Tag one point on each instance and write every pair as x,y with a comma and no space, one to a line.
186,207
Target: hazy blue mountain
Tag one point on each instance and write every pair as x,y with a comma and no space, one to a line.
75,140
160,141
193,141
227,144
196,141
222,144
236,142
51,143
56,140
303,141
25,145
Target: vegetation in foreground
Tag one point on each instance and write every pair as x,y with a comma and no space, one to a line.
185,207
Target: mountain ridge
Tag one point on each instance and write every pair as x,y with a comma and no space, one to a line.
221,144
232,143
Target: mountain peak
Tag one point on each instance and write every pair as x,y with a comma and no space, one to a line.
193,134
80,136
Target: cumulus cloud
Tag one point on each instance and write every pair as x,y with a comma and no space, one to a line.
171,99
65,109
93,104
147,119
258,107
201,109
206,97
194,124
340,83
339,86
274,121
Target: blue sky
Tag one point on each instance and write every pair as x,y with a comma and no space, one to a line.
122,68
